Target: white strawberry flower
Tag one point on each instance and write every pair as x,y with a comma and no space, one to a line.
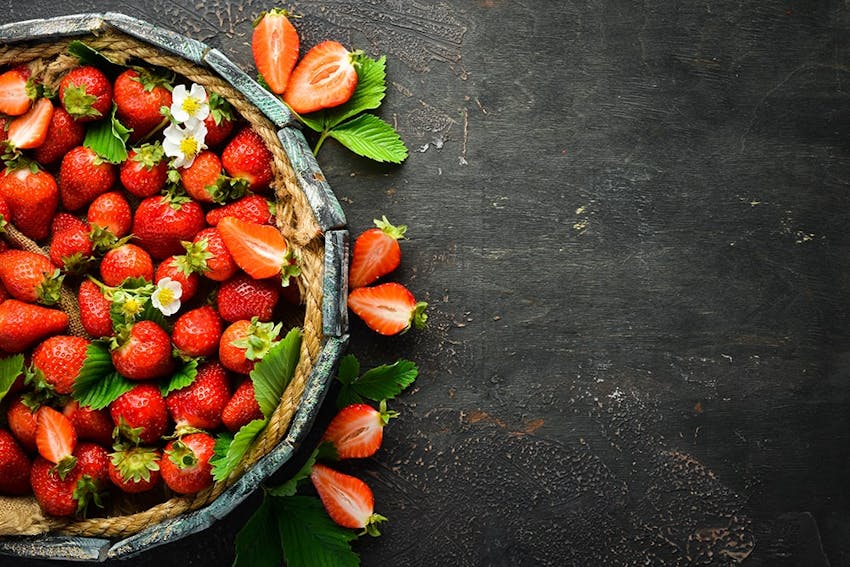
184,142
188,104
167,296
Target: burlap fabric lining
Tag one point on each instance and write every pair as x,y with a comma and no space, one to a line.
296,221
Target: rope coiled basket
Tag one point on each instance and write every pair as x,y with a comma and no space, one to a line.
307,215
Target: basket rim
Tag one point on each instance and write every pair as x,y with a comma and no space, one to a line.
334,332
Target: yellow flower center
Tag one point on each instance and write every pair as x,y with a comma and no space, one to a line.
188,146
191,105
165,295
132,306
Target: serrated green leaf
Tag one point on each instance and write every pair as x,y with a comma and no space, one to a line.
108,139
309,537
98,384
369,136
258,542
87,55
348,395
370,91
182,378
10,368
349,369
289,487
225,464
272,374
386,381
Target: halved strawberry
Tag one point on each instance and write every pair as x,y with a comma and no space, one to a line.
347,499
56,439
14,96
357,430
325,77
376,253
30,130
275,45
259,249
388,309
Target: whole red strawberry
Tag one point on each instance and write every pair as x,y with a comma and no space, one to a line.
200,404
204,180
135,469
177,269
250,208
126,261
210,257
86,93
23,422
63,134
144,353
93,466
14,466
198,332
243,297
63,221
33,197
162,223
140,414
24,324
245,342
139,98
94,310
83,175
111,211
55,495
219,122
185,463
72,250
242,408
247,157
90,424
5,212
30,277
59,358
70,495
376,253
145,171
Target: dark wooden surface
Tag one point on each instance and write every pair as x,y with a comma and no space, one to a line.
630,222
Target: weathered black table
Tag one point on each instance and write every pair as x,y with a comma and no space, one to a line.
630,221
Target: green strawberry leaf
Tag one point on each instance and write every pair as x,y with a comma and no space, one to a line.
370,137
87,55
349,369
108,138
229,451
182,378
98,384
309,536
370,91
383,382
258,542
10,368
272,374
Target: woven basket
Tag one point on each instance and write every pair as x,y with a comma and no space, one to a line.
307,215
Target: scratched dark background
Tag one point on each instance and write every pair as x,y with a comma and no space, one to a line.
630,222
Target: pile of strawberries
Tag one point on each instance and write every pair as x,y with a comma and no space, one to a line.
172,258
